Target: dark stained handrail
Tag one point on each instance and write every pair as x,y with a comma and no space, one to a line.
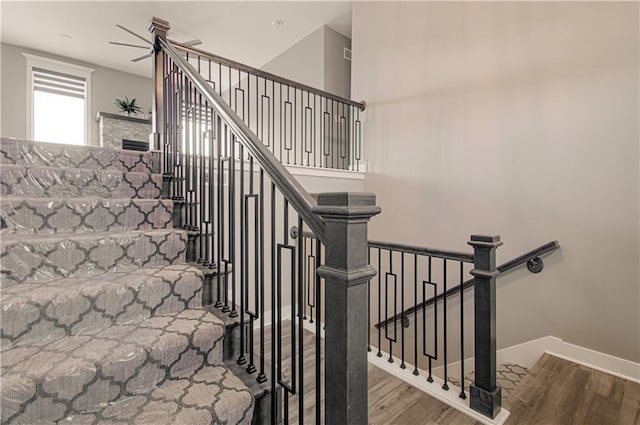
264,74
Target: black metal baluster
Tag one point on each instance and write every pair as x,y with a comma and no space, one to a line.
343,138
243,259
445,386
282,135
251,311
224,228
395,307
315,148
332,140
272,111
262,377
300,279
311,277
232,223
274,362
220,215
415,322
369,305
358,140
318,296
379,354
295,139
202,210
435,321
211,198
402,319
461,285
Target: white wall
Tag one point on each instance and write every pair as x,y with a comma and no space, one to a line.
316,60
518,119
106,85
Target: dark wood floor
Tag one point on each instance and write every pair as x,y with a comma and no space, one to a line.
556,392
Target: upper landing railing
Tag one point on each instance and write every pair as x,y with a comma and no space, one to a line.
299,124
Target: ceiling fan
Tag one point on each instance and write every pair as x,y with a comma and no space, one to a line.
189,43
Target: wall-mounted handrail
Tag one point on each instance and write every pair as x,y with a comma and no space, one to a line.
264,74
286,183
510,265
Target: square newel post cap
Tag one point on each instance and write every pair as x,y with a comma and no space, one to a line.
159,27
485,241
347,205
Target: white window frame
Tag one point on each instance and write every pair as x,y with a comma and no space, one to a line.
34,61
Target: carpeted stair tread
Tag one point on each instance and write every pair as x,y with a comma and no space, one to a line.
47,258
86,371
102,320
509,376
37,181
72,306
76,215
213,395
15,151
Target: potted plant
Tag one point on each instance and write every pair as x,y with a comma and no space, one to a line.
128,106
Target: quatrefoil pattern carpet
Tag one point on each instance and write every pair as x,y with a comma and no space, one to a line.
102,319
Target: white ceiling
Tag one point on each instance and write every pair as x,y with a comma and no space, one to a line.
238,30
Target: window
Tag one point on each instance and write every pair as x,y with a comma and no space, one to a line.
58,101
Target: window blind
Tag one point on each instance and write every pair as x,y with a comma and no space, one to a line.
58,83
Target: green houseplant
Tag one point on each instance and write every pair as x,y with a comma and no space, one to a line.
128,106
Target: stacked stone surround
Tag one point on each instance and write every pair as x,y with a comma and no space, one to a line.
114,128
102,319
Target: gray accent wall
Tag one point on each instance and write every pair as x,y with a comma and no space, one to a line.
106,85
337,70
318,61
518,119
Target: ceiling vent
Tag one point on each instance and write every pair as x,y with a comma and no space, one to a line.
347,54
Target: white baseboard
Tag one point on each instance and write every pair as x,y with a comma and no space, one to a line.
607,363
434,389
528,353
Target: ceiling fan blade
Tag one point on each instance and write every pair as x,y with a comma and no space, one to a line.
129,45
148,55
133,34
192,43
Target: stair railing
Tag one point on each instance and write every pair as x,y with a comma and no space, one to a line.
532,259
299,124
236,200
423,277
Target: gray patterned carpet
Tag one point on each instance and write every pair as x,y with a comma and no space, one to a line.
102,320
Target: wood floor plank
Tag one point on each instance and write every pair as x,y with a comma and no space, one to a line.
555,392
630,407
559,392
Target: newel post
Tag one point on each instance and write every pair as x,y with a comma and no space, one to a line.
486,396
346,273
159,29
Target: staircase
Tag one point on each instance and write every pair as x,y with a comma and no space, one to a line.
102,319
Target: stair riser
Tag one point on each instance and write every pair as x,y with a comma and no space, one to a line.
68,156
48,216
57,309
45,260
17,180
123,365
